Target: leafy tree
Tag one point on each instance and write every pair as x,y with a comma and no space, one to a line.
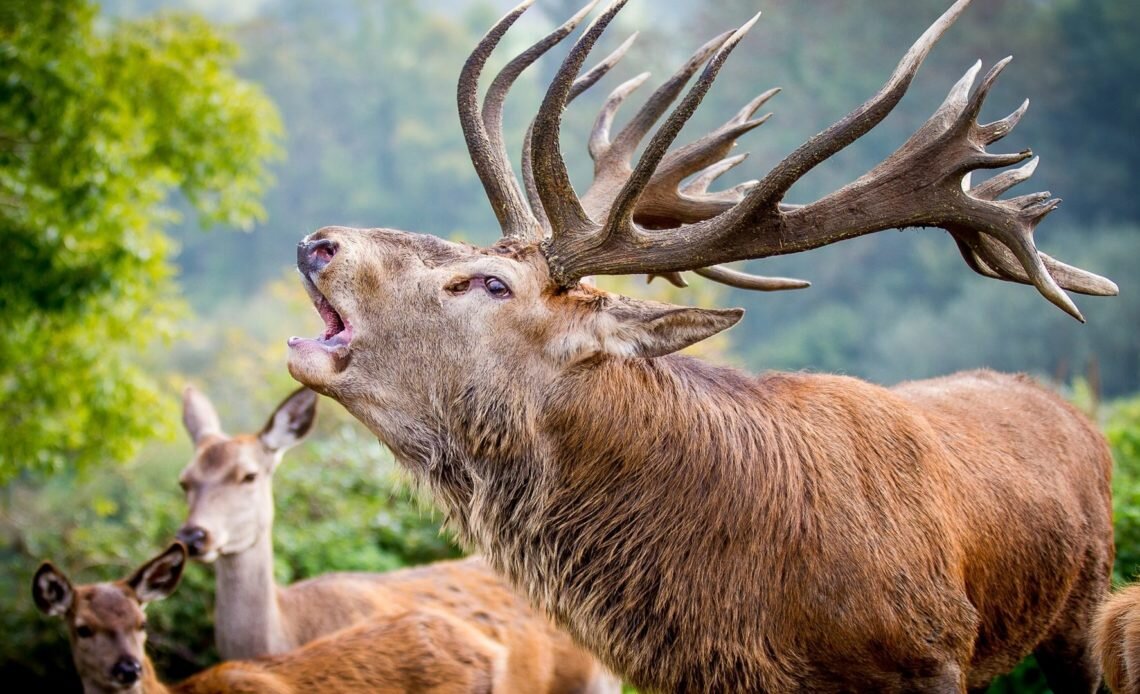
99,124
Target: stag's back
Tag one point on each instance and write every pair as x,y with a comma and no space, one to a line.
1028,477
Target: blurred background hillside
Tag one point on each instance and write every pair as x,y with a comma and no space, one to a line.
159,160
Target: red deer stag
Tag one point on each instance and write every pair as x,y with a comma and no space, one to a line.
1116,638
412,652
229,486
698,528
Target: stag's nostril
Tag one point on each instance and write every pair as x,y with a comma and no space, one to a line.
313,256
126,670
194,538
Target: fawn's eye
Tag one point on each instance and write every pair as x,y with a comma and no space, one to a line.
184,484
497,288
84,631
249,477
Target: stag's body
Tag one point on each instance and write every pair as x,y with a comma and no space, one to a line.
698,528
1116,639
229,485
711,531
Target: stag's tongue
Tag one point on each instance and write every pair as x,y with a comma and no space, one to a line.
337,333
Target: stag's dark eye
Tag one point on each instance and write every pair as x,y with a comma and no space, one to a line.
249,477
497,288
84,632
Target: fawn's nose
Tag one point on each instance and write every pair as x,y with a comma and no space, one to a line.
195,538
126,670
313,256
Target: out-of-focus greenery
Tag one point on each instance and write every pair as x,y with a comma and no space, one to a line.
99,123
1123,430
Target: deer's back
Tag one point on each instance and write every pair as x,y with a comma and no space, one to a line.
414,652
539,657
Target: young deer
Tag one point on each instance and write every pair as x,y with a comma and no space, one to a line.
413,652
698,528
1116,639
229,487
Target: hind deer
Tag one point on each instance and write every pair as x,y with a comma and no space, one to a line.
699,528
1116,639
416,651
229,487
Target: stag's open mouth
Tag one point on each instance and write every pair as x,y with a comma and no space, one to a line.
338,331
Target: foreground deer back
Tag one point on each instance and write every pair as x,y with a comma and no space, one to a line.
229,489
421,652
699,528
1116,638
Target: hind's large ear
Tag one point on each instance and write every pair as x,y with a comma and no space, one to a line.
621,326
291,422
198,415
52,591
158,578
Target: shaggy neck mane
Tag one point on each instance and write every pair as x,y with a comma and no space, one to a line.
629,451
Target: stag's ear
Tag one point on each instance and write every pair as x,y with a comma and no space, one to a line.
291,422
627,327
52,591
198,415
158,578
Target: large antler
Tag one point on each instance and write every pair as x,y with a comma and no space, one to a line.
921,184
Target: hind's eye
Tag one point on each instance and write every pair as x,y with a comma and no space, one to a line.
497,288
84,632
249,477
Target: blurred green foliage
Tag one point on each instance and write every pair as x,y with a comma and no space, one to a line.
99,124
1123,430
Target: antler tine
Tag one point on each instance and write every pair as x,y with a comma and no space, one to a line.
552,182
581,84
497,93
627,140
487,152
661,203
620,221
743,280
854,125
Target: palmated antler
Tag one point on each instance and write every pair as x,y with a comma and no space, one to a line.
650,222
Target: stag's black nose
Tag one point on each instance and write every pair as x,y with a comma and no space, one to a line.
313,256
195,538
126,670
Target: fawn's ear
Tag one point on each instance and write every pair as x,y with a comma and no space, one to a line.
627,327
291,422
198,415
52,591
158,578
